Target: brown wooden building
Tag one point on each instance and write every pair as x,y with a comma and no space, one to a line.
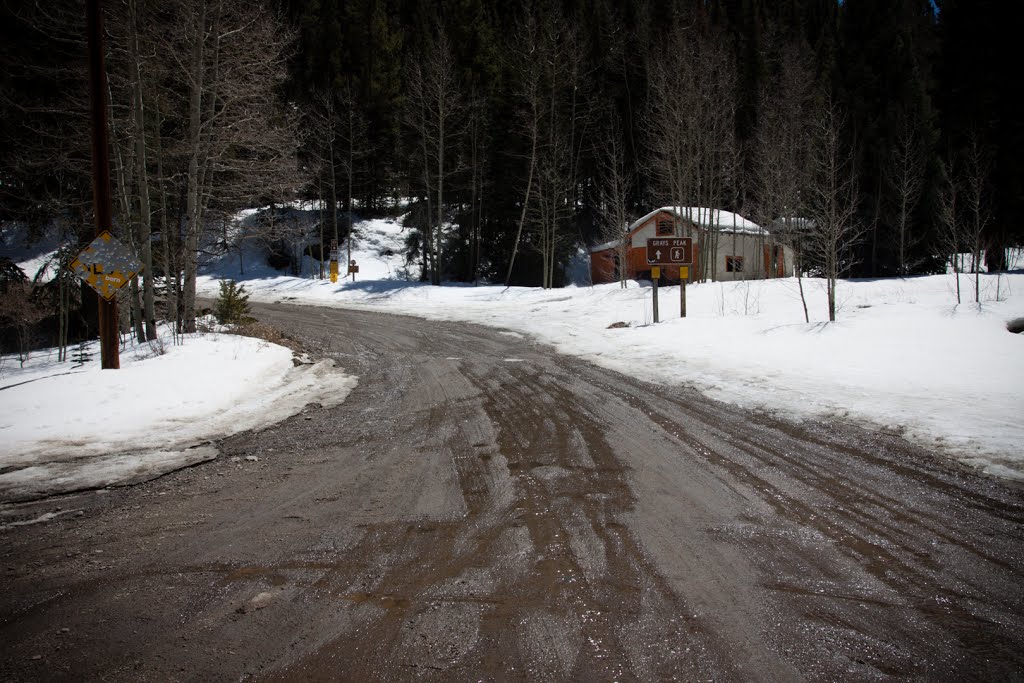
726,246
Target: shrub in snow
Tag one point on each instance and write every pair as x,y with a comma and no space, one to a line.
233,304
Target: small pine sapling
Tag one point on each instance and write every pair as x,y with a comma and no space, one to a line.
233,304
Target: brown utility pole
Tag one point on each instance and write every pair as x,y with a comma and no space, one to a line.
109,357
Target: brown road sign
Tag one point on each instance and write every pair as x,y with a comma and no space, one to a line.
106,265
669,251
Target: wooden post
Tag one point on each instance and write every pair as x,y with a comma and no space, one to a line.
109,353
655,276
684,275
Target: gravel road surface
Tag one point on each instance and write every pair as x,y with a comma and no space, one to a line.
481,508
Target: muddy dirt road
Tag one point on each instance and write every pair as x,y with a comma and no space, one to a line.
483,509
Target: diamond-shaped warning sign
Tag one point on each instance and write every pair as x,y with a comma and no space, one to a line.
106,265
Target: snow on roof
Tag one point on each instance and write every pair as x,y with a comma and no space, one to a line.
723,221
606,245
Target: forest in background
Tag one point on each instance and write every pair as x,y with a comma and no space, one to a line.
521,130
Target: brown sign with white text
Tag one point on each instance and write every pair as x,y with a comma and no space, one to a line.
669,251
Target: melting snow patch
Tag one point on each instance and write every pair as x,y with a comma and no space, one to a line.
45,517
65,432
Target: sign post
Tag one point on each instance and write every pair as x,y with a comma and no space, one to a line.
684,275
670,251
103,206
334,260
655,276
353,268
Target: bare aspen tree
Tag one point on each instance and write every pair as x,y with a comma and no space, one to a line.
324,127
338,144
141,164
781,154
528,67
977,169
951,227
231,56
616,185
355,145
130,37
478,145
435,108
832,202
906,177
562,130
169,249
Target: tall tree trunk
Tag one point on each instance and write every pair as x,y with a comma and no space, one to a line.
526,202
145,242
351,171
194,206
428,235
333,205
166,238
140,333
435,246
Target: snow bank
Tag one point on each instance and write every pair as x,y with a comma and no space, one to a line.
67,426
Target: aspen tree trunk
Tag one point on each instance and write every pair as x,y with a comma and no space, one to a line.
526,202
428,237
193,201
122,175
170,265
435,274
334,190
320,188
473,243
145,242
351,171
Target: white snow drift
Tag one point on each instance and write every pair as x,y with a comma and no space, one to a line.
68,426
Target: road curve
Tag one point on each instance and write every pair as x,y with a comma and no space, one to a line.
483,508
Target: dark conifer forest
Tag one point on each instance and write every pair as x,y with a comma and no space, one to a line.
523,131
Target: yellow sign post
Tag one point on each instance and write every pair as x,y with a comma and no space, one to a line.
655,276
684,275
334,260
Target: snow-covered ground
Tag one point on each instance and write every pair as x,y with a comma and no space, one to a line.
902,356
68,426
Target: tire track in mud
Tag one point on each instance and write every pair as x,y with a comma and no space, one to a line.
791,474
574,586
878,533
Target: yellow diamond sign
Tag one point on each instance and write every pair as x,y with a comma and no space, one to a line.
106,265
